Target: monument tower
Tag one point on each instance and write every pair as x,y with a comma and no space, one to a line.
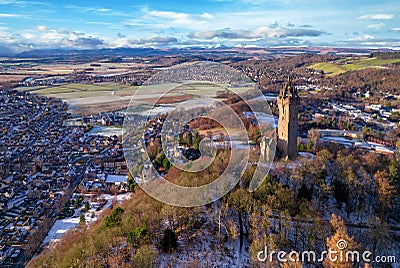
288,102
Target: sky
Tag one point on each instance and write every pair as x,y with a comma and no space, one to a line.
43,24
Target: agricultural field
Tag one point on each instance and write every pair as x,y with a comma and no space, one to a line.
11,78
94,98
40,69
88,98
28,68
348,64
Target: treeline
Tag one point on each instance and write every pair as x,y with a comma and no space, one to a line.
376,81
386,55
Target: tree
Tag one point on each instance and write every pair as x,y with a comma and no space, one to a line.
372,162
166,164
169,242
313,135
146,257
231,228
152,151
180,139
196,141
378,230
160,159
136,236
189,139
240,200
340,242
82,219
309,146
386,192
77,202
394,169
87,206
323,156
247,176
304,193
115,218
131,182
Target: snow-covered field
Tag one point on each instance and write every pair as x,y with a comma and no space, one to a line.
105,131
59,228
62,226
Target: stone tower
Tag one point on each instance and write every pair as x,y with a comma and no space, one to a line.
288,102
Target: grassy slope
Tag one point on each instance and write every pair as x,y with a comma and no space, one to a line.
330,69
340,66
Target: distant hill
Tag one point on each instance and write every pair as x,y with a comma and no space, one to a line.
103,52
124,52
5,51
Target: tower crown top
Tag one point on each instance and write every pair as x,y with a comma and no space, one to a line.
288,90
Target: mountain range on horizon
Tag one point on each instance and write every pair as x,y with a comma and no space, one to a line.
123,52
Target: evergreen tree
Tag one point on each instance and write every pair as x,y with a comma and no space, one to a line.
87,206
189,139
180,139
169,242
196,141
82,219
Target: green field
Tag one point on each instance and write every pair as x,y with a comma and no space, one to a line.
31,89
329,69
349,64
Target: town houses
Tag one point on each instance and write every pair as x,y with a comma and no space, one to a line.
43,160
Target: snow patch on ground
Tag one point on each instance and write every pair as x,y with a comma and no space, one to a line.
204,248
62,226
59,228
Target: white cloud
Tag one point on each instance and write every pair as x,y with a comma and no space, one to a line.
363,38
49,38
22,3
83,42
95,10
375,26
42,28
100,11
179,18
258,33
373,42
153,41
166,19
120,42
28,35
207,16
103,10
377,17
6,15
